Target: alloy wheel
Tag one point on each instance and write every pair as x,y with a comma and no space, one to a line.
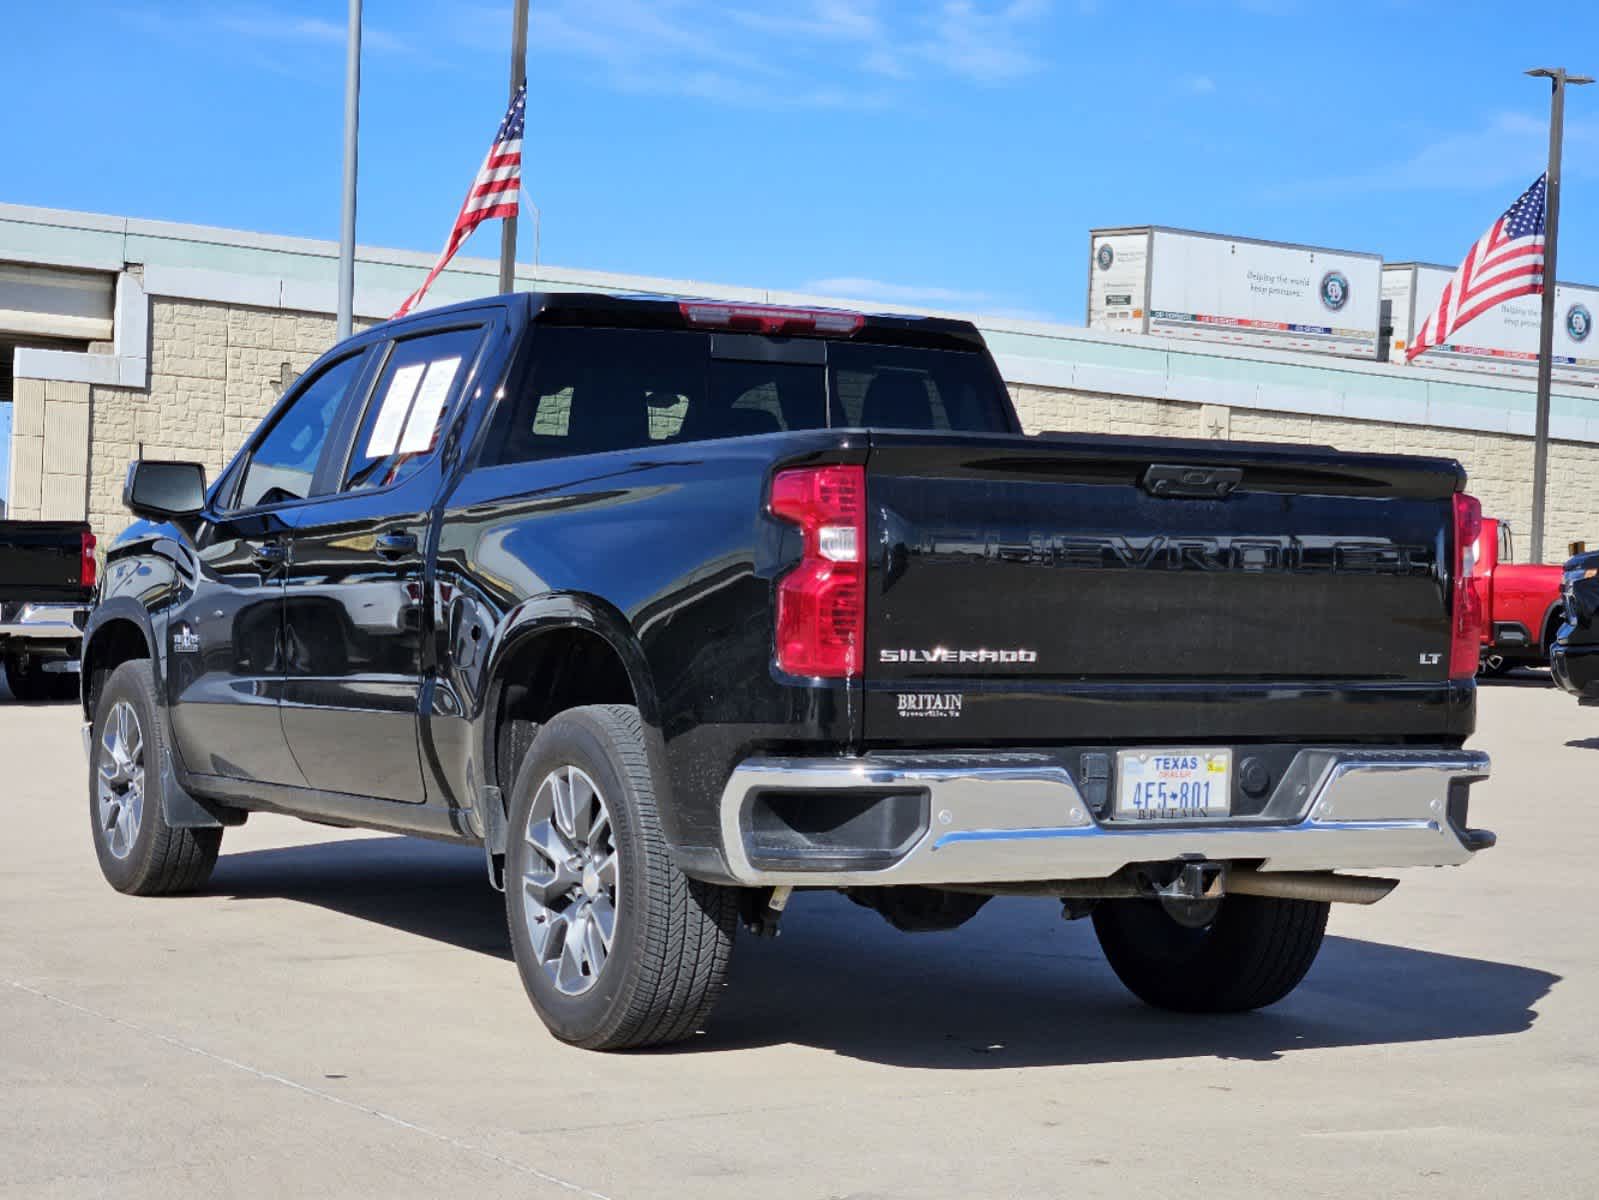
569,879
120,790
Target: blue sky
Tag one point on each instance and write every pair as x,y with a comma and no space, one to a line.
950,153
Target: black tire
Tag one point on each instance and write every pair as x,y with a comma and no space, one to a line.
1253,953
158,859
672,936
26,678
63,685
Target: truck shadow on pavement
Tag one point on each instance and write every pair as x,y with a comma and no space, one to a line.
1014,987
1521,677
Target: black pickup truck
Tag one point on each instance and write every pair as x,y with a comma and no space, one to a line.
47,575
1574,654
676,606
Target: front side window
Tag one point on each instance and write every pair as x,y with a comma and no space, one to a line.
284,462
408,408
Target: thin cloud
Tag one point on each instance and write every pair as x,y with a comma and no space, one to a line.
1509,149
250,31
982,43
251,23
856,287
860,289
815,53
1199,85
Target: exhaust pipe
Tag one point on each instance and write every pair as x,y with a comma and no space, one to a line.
1310,885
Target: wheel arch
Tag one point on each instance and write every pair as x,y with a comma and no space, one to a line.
552,654
119,630
1553,617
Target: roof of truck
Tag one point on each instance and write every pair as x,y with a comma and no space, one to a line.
652,311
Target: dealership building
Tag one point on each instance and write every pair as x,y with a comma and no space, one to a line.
120,335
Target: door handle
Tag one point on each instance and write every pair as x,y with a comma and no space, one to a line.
269,554
395,545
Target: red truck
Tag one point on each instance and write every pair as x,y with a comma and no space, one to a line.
1520,603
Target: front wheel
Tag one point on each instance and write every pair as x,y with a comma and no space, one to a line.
617,948
1249,952
139,852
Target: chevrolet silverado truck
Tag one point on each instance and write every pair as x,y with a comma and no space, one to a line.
47,576
1521,606
675,606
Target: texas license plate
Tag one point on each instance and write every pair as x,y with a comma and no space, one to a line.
1173,785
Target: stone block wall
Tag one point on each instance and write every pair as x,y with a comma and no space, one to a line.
49,450
215,370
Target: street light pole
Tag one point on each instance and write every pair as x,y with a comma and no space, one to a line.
1558,80
518,78
352,121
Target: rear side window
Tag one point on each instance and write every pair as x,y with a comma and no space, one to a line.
894,387
400,428
594,390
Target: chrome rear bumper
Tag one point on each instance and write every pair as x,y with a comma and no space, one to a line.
42,622
1021,818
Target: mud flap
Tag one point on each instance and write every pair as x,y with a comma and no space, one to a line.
180,810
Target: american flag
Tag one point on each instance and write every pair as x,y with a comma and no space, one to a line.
493,194
1506,262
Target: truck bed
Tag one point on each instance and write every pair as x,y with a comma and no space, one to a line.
41,562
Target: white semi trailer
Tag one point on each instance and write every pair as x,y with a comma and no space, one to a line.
1504,340
1238,291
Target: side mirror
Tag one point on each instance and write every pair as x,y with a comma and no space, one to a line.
160,490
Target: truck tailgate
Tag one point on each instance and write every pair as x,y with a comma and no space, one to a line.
42,561
1055,588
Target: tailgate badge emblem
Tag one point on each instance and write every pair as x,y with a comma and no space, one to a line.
185,640
930,704
942,654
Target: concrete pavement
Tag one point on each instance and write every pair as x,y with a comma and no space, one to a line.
338,1015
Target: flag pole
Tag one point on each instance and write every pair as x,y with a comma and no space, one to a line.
352,121
1558,79
518,78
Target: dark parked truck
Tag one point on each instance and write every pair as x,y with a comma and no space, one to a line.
676,606
47,574
1574,657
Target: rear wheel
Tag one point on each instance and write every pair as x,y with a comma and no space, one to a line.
26,677
139,852
616,947
1250,951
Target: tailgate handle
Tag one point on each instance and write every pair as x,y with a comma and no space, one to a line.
1170,481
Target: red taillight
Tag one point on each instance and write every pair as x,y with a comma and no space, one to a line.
86,559
1466,610
761,318
821,602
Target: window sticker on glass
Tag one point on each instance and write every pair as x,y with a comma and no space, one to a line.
391,416
424,420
